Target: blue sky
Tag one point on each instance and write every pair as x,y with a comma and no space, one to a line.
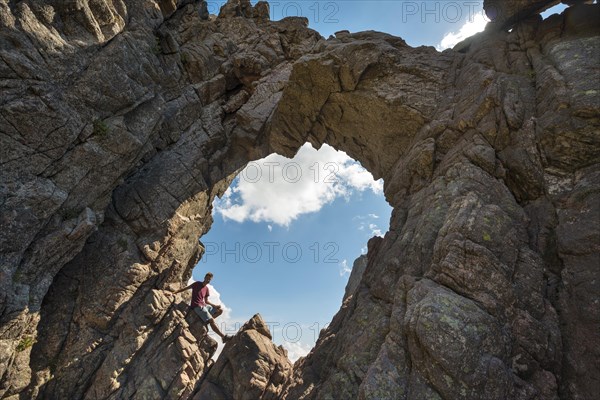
424,22
286,233
284,238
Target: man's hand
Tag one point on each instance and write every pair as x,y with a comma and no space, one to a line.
170,294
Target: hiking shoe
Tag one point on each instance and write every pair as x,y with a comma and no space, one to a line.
226,338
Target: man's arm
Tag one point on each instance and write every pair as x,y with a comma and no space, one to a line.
183,290
211,304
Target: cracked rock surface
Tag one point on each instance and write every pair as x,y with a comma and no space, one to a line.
265,372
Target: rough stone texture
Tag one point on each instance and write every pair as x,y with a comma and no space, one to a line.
265,372
505,13
118,148
358,268
120,123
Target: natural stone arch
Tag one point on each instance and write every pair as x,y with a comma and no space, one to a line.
367,94
475,168
162,245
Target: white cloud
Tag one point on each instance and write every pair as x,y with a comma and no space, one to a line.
230,326
278,190
365,223
375,231
225,322
215,298
344,268
296,350
270,227
471,27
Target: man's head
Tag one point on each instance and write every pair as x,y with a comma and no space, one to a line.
208,277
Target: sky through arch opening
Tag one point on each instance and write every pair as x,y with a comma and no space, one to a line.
284,240
281,232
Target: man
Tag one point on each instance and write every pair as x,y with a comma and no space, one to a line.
206,310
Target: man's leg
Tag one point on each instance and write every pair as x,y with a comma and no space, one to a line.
216,329
218,311
207,314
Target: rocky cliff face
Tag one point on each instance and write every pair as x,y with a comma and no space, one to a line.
120,122
265,372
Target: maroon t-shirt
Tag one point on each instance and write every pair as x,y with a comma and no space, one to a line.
199,294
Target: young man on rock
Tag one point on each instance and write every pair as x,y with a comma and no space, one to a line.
206,310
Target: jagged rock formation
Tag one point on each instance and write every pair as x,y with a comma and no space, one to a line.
506,12
120,122
358,268
127,142
266,367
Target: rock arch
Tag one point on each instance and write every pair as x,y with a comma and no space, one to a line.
484,286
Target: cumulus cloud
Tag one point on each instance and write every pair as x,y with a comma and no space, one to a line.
344,268
375,231
366,224
215,298
230,325
296,350
471,27
225,322
278,190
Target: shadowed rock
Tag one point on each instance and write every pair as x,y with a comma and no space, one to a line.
250,367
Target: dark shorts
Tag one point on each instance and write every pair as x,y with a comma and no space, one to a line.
205,313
